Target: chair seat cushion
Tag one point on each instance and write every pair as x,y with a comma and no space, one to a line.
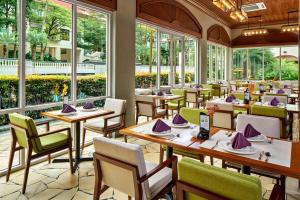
158,181
98,124
160,111
175,104
53,141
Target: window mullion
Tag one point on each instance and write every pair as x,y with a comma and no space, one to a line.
74,55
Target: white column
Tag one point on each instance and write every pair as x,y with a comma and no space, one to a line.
123,58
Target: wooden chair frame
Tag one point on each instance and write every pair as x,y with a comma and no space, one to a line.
197,96
183,187
154,107
138,180
30,140
107,131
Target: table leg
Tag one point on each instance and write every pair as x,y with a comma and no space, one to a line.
169,153
291,118
246,169
77,158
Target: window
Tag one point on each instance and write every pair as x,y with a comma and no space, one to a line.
274,63
216,58
49,64
92,68
164,58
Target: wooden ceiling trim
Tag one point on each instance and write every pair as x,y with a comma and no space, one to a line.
219,35
274,38
105,4
169,14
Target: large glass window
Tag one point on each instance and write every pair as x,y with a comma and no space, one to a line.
49,64
164,58
146,56
91,55
216,58
190,66
273,63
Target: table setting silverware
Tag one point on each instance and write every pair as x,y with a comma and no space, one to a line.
216,144
268,155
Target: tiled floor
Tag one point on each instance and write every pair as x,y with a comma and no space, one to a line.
54,181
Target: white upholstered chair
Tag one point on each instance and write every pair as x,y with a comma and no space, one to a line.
224,116
108,124
148,106
193,96
281,98
122,166
270,127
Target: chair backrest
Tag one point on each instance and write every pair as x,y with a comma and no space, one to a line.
281,98
145,105
192,115
238,95
216,90
119,177
142,91
27,124
222,105
217,182
116,105
270,126
191,95
181,92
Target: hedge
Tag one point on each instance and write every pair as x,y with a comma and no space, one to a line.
42,89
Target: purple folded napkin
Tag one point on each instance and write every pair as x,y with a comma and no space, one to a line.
178,119
160,93
89,105
230,99
160,126
239,141
280,91
250,131
196,86
274,102
68,109
285,86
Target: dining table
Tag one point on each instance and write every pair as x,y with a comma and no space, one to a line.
165,98
76,118
285,154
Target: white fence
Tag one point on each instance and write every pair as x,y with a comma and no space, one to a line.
10,67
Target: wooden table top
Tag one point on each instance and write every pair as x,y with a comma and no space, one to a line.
192,144
79,116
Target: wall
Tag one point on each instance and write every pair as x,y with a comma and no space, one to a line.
206,22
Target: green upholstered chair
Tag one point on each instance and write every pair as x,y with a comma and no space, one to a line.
271,111
192,115
217,90
198,181
178,103
207,94
25,134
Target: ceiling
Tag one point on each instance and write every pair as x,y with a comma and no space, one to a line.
276,12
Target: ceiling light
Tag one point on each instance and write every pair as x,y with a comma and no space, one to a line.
224,5
239,15
256,31
290,27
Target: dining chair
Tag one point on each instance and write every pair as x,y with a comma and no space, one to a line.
201,181
217,90
192,115
108,124
287,91
207,93
177,103
122,166
193,96
272,111
147,106
224,116
281,98
25,134
270,127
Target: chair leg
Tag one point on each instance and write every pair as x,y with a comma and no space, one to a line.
71,158
161,154
27,169
125,138
129,197
136,119
224,164
49,158
211,160
83,139
201,158
11,157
